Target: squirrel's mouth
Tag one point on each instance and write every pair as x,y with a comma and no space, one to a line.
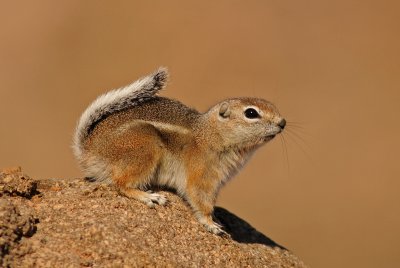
269,137
273,132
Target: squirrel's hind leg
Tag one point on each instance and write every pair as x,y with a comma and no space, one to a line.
135,168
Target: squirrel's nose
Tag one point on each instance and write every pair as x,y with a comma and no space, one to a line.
282,123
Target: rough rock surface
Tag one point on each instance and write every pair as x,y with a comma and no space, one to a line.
75,223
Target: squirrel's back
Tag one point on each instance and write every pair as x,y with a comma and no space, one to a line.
172,121
158,109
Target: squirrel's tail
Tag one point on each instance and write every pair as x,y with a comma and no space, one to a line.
117,100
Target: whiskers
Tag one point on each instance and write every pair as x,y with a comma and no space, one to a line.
295,132
285,151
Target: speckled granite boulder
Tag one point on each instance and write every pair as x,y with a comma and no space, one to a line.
75,223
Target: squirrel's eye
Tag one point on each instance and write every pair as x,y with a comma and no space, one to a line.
251,113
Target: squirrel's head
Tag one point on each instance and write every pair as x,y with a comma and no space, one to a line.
247,122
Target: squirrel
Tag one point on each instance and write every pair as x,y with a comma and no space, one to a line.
135,139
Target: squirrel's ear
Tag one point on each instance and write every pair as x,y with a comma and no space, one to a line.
224,110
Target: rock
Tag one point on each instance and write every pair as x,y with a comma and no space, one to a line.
14,182
13,227
82,223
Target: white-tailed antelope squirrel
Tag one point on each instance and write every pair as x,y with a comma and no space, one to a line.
135,139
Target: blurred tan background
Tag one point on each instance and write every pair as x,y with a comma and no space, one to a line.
333,67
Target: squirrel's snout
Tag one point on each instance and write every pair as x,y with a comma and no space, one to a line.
282,123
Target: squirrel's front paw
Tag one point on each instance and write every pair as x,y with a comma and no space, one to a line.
213,227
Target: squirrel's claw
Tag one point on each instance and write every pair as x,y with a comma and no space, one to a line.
215,228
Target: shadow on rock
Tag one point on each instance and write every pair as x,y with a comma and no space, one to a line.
240,230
